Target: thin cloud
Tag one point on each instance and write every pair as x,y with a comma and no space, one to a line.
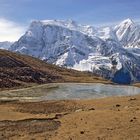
10,31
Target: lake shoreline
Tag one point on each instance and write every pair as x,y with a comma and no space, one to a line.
69,91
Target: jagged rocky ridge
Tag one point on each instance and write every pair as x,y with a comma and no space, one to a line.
111,52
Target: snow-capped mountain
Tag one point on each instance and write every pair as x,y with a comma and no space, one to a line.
111,52
128,34
5,45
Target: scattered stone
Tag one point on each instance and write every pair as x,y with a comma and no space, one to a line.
82,132
92,108
117,105
134,118
109,128
131,120
58,116
132,99
79,110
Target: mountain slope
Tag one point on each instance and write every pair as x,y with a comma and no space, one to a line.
103,51
5,45
128,33
18,70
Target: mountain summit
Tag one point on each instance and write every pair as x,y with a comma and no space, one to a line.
109,52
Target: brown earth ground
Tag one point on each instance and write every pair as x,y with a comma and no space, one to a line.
113,118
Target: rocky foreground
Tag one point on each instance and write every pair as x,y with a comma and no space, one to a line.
111,118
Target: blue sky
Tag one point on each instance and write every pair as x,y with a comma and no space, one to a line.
19,13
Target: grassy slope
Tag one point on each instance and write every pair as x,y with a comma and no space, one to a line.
18,70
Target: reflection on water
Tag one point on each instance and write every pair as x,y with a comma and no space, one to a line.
89,91
68,91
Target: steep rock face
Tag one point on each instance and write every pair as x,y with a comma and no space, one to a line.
103,51
122,77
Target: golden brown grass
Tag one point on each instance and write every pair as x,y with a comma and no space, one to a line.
18,70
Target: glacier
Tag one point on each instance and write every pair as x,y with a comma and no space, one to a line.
111,52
